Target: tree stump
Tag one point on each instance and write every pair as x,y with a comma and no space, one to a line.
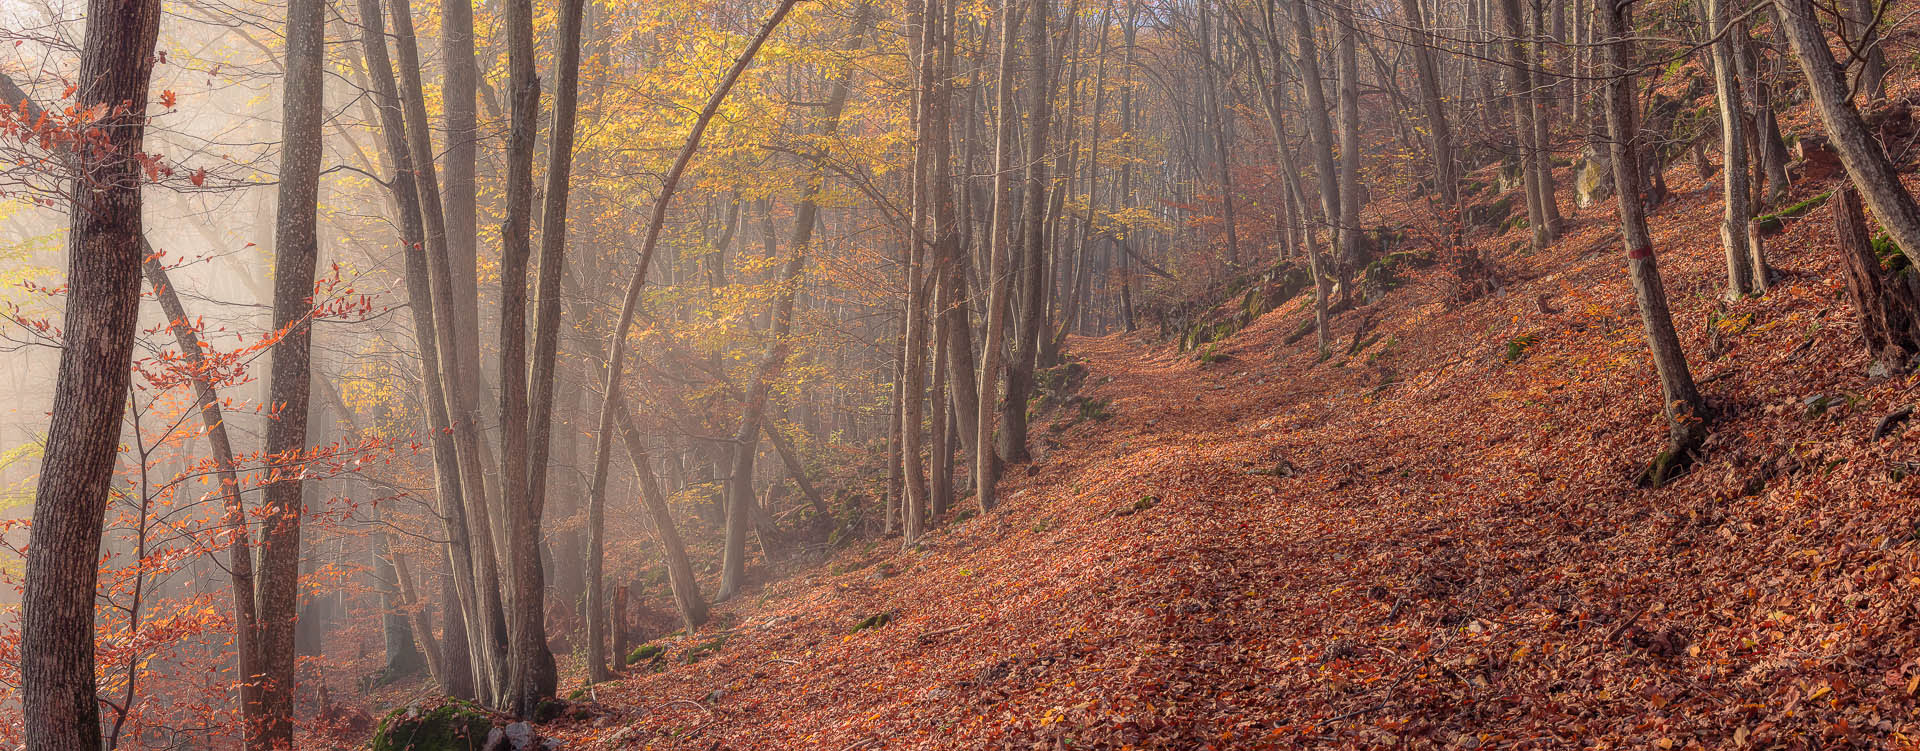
1889,313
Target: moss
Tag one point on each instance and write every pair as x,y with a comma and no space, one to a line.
453,726
877,620
700,651
1776,221
644,653
1889,253
1517,347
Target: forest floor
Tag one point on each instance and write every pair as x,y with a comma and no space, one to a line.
1432,540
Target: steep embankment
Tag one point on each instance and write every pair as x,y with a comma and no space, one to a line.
1431,541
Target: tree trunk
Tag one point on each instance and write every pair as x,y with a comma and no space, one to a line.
1033,274
1889,314
617,338
487,636
456,678
1320,133
1684,409
986,467
686,589
59,707
1733,149
1446,172
1866,162
1349,223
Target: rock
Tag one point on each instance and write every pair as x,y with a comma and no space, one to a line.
453,726
1817,158
877,620
1510,177
1592,177
1491,213
521,735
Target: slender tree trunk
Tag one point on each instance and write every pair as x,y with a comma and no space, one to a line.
486,632
629,307
1320,133
986,467
686,589
1681,398
1446,172
1741,276
456,677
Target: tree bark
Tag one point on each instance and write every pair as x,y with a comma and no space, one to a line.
1866,162
487,635
1733,149
1889,314
986,465
1684,408
296,251
59,707
1320,133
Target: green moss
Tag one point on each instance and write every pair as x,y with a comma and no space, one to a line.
453,726
700,651
1889,253
1774,222
1517,347
877,620
644,653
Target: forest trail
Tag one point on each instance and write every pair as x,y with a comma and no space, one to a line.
1433,539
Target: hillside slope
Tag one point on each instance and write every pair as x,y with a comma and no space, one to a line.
1431,541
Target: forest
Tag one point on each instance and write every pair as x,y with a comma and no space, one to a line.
489,375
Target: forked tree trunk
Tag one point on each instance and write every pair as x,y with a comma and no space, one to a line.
456,677
485,615
1741,279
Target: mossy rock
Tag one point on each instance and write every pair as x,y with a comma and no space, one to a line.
877,620
452,726
644,653
700,651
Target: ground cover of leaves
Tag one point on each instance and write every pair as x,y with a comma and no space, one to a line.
1430,541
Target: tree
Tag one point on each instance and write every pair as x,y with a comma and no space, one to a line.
1744,275
617,342
986,467
1685,411
297,251
1865,161
58,702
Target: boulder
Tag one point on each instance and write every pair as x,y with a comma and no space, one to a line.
454,725
1592,177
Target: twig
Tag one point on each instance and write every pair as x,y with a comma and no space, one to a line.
688,702
939,632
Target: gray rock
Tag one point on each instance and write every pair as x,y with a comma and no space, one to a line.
1592,177
520,734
